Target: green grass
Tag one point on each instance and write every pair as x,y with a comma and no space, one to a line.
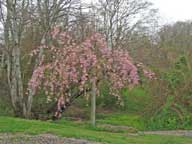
130,120
68,129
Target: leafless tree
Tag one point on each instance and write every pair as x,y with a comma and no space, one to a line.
119,18
16,17
13,18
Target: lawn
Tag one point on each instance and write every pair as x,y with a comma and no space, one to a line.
69,129
129,120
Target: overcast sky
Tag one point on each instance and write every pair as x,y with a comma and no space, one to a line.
172,10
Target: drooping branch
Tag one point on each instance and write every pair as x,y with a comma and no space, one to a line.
60,105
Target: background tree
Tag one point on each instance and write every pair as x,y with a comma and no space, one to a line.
119,18
26,21
172,88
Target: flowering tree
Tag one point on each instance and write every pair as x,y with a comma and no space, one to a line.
68,68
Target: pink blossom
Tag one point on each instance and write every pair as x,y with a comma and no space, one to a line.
74,65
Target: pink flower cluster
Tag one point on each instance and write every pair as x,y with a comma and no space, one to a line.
149,74
146,72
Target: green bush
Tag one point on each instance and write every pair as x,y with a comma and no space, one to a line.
5,101
135,100
170,116
5,108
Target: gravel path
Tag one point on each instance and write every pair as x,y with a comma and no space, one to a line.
40,139
171,132
133,131
20,138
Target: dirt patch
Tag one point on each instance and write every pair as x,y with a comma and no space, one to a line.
40,139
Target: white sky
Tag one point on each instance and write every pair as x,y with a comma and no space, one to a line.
172,10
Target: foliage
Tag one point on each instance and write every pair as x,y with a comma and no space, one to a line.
5,108
135,100
171,109
169,117
105,99
5,102
165,118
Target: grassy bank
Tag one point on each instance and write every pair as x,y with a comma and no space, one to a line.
68,129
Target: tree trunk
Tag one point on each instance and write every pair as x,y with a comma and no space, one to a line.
30,90
93,103
12,43
2,63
